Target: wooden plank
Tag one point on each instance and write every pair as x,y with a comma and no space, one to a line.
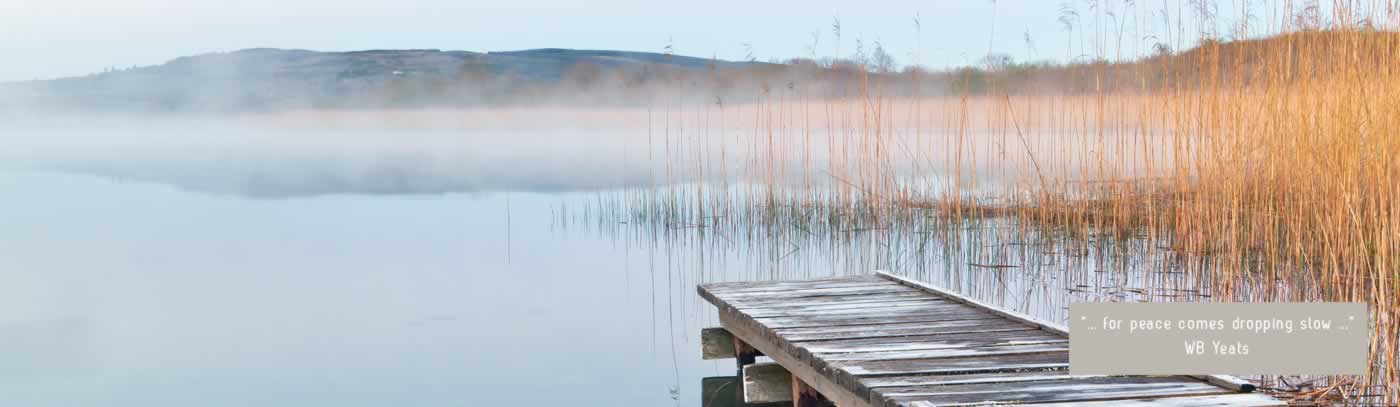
880,310
926,300
816,280
816,321
1026,349
901,310
797,286
719,391
1229,382
1235,400
900,329
1074,390
928,341
716,343
896,334
807,373
990,364
767,383
932,380
829,299
818,292
755,286
731,285
943,341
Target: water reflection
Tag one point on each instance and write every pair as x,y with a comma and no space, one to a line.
116,293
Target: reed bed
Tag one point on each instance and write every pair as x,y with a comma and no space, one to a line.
1260,173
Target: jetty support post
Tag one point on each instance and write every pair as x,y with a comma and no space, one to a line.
744,354
805,396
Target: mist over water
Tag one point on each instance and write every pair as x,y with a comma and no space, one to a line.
292,155
437,257
542,149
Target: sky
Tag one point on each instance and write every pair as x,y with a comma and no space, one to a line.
44,39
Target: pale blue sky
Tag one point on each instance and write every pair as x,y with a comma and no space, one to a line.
55,38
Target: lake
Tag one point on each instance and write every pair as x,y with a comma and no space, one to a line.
305,261
126,293
118,293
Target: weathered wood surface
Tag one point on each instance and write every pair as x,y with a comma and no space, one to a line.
878,340
1233,400
766,383
716,343
719,391
1093,389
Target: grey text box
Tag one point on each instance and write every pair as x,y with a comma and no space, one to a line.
1218,338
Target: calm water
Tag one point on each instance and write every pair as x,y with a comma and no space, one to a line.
121,293
179,263
139,294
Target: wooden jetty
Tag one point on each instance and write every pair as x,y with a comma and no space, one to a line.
883,340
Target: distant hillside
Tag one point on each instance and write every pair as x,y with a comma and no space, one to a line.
276,79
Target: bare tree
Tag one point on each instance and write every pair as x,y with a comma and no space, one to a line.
881,61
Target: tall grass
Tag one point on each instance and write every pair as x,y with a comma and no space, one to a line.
1265,170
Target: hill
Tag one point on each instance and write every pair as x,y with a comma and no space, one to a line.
278,79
